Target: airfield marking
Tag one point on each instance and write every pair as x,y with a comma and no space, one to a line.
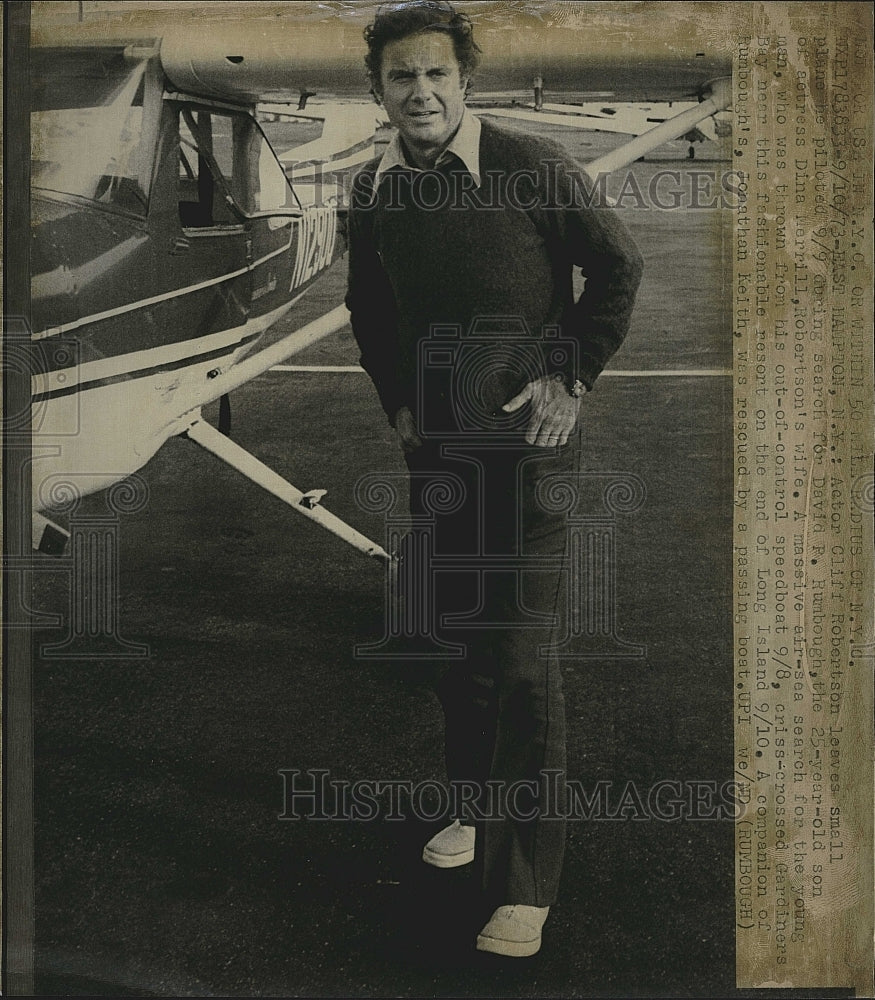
614,373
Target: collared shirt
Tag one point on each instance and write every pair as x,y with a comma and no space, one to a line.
465,145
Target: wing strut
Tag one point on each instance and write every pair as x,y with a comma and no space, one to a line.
307,504
719,99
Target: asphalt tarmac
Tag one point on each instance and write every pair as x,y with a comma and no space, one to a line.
163,864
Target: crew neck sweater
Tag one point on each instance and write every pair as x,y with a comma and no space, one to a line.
435,261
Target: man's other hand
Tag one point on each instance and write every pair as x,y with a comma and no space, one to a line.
405,425
554,411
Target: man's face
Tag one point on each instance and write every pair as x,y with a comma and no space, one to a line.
423,92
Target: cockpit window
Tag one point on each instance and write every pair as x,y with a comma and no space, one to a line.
209,191
87,126
227,170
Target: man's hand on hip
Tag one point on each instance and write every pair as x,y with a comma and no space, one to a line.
554,411
405,425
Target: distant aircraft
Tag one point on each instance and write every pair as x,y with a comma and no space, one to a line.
623,117
347,138
167,239
345,143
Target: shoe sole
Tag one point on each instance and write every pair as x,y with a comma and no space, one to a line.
447,860
510,949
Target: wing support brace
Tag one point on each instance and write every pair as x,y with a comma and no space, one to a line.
307,504
719,99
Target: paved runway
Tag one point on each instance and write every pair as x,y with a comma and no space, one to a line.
162,866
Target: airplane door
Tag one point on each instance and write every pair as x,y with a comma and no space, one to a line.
210,247
243,240
278,223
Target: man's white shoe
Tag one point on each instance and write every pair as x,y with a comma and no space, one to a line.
514,931
451,848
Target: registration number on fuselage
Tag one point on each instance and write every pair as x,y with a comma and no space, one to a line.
318,231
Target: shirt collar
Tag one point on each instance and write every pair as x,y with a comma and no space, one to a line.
465,144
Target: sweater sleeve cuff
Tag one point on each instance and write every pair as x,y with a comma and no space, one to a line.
589,371
392,401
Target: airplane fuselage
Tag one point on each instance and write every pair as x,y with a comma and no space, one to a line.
163,247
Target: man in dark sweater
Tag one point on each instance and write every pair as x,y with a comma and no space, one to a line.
463,237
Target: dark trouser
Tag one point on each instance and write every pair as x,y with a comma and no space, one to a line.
498,561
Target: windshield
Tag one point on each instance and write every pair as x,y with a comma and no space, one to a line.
87,126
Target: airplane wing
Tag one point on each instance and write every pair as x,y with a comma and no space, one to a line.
346,142
624,118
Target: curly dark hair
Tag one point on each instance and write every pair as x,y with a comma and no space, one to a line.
398,20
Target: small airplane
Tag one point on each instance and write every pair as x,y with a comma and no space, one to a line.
168,238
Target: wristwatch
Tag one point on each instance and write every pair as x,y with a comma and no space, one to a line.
574,388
